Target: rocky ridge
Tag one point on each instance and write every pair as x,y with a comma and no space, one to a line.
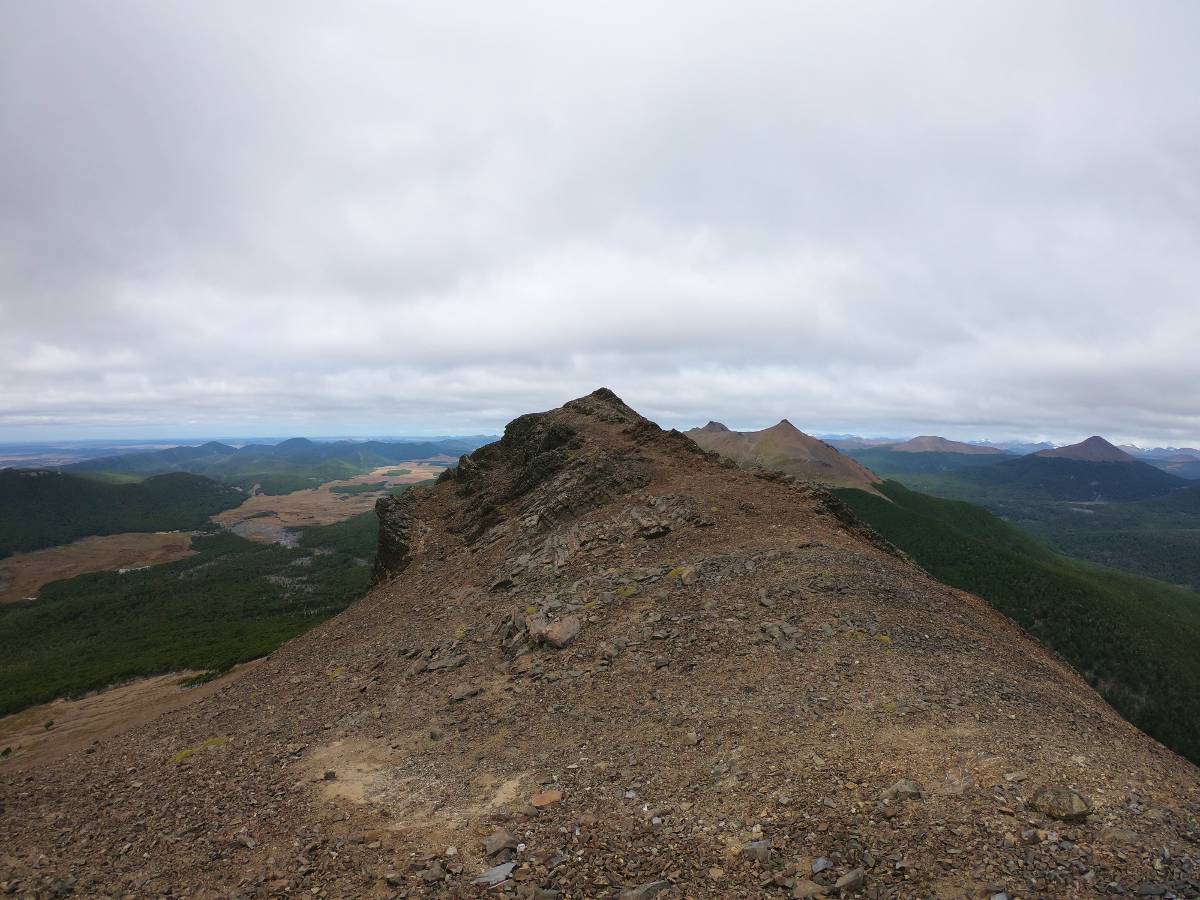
600,662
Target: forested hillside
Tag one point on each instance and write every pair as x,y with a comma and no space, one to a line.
43,508
234,600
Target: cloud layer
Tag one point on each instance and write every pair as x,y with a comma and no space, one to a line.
973,219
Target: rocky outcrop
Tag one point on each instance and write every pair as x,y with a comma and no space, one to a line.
395,535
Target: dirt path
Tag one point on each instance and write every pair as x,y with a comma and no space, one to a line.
22,575
97,717
266,519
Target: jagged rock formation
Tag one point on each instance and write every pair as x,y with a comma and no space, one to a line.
602,663
785,448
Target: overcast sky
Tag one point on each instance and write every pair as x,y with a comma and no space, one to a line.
966,218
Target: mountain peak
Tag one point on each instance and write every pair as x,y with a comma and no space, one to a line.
931,443
785,448
783,426
715,426
1094,449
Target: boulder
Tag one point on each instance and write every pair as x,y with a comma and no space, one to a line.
1062,803
558,633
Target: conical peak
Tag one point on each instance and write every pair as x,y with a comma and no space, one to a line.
783,427
1094,449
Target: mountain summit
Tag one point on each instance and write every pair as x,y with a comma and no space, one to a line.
1094,449
785,448
928,443
600,662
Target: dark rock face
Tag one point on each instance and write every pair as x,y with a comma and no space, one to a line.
395,541
535,449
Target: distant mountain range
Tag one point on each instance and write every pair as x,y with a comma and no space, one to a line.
278,468
785,448
1091,470
878,453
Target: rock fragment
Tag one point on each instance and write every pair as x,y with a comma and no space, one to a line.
495,875
904,789
759,851
545,798
1062,803
644,891
498,840
558,633
851,881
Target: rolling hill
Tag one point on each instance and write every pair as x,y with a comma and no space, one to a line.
928,443
43,508
927,455
785,448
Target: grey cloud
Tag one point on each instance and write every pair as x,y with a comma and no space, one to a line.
980,219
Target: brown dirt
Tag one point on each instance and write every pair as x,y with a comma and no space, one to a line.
22,575
263,518
752,664
100,716
785,448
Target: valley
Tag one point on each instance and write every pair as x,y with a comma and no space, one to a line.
244,571
1091,501
266,517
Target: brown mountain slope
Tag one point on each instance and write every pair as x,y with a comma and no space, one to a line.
757,690
928,443
1094,449
785,448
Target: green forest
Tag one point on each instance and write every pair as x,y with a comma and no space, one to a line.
41,508
234,600
1134,639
